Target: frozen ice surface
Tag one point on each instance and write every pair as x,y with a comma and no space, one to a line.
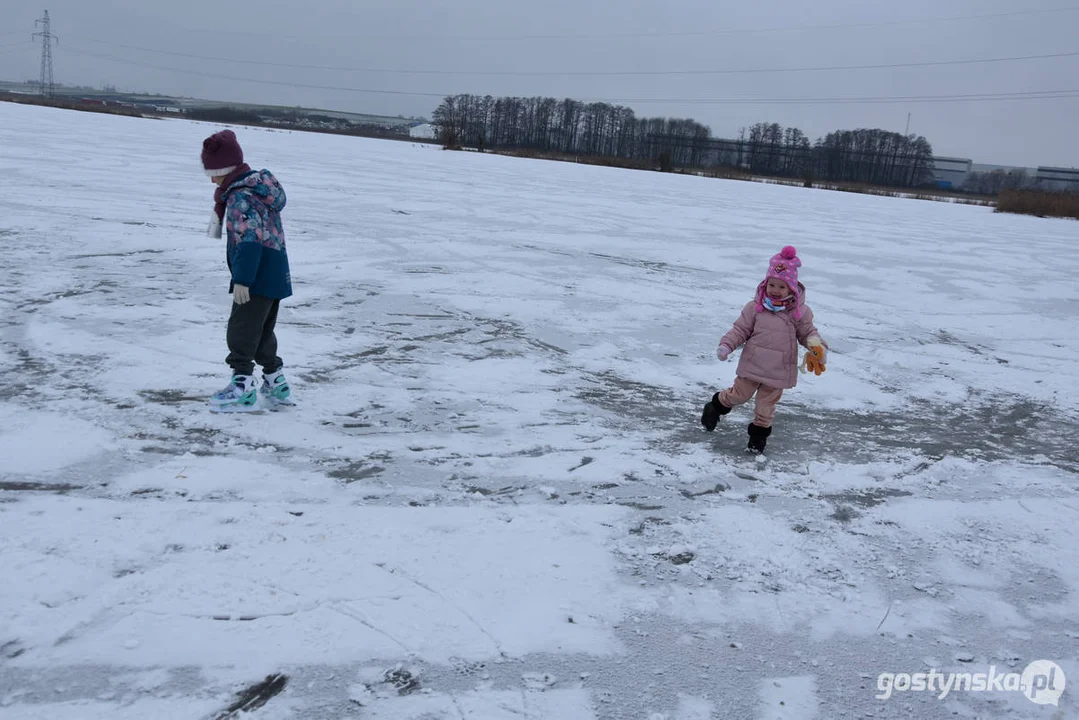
494,499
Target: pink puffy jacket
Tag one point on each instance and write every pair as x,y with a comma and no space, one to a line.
771,342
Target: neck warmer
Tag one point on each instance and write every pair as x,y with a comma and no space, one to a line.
779,305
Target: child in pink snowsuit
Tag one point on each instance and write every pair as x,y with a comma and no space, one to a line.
771,327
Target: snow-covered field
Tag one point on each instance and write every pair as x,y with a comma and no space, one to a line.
495,499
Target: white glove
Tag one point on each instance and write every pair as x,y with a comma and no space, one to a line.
214,229
240,294
722,352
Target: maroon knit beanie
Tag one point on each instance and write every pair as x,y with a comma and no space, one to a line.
221,153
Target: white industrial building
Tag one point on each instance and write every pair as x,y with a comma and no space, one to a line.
426,131
1052,178
951,172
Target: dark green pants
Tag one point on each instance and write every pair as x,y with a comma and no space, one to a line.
251,336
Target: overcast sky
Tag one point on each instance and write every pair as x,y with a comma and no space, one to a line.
598,36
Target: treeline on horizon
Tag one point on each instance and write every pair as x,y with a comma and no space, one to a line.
603,130
289,118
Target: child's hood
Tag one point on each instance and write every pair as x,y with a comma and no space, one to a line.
262,185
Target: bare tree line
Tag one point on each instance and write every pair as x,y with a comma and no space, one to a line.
567,126
603,130
996,181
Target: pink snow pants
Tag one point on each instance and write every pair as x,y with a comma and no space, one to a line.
765,409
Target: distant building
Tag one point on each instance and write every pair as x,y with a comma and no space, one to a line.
988,167
1052,178
950,172
426,131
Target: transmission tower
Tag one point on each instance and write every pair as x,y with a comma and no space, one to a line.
47,39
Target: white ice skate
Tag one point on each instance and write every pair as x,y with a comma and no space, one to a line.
240,395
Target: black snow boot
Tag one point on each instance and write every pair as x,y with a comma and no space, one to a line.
758,438
713,409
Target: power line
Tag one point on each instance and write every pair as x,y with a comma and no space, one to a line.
1027,95
12,46
973,97
601,73
219,76
781,29
634,35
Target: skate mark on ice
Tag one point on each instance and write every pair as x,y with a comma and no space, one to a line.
117,254
650,520
916,470
105,616
487,492
176,452
985,427
58,488
356,471
867,498
169,397
254,697
11,649
448,316
586,460
439,336
946,338
623,397
650,265
548,347
358,617
443,598
644,507
28,374
844,514
717,489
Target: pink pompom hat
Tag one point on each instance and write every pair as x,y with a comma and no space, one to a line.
783,266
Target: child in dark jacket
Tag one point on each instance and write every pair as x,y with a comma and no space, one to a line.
248,205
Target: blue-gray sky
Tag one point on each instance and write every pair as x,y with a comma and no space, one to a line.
598,36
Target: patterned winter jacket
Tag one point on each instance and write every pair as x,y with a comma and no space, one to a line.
771,342
255,248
